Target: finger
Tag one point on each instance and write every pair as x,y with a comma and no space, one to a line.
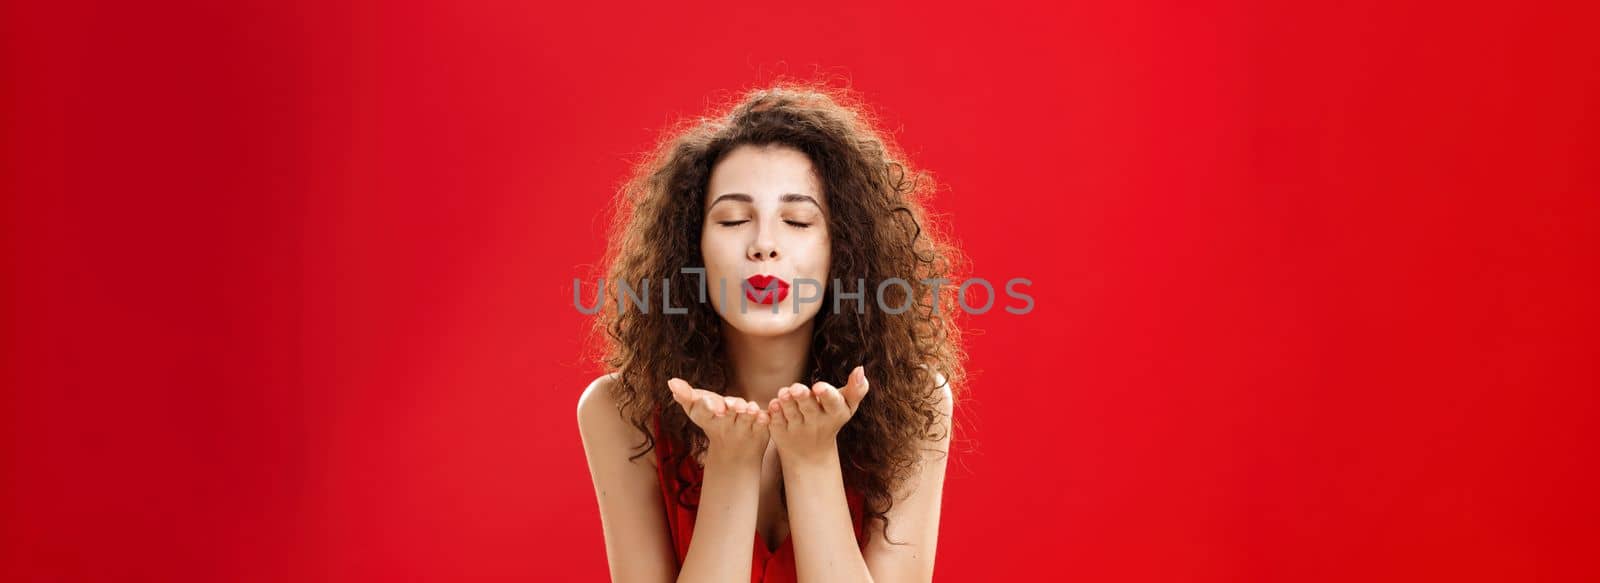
716,406
741,415
829,399
752,413
679,389
696,410
817,390
775,414
684,395
856,390
789,397
808,402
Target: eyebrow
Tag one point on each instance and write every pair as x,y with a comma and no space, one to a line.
787,197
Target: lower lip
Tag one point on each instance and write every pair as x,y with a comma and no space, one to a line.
778,292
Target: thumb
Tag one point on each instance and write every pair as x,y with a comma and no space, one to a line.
856,389
680,391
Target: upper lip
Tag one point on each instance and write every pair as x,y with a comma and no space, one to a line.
764,281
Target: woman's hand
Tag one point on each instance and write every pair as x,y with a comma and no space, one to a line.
735,427
806,421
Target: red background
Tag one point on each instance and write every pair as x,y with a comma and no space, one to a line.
288,286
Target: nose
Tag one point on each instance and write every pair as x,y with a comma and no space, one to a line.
763,248
763,252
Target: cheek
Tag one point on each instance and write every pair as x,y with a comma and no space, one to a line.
711,244
815,255
719,251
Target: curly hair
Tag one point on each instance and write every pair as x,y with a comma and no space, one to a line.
879,231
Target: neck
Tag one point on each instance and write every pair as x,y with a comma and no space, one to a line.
762,365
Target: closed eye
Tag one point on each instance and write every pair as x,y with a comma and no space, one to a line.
799,224
732,223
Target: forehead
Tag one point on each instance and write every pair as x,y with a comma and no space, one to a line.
765,173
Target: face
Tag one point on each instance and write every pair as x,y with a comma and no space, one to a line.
765,240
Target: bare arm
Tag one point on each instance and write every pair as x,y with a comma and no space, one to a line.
824,538
725,525
632,513
914,520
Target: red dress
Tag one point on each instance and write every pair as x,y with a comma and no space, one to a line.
766,566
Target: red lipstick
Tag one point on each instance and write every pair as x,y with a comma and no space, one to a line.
766,289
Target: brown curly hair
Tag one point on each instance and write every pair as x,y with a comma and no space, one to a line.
879,230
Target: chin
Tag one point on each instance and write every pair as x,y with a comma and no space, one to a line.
758,320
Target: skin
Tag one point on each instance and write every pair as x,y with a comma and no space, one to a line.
770,427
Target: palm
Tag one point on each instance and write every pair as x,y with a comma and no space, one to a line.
730,423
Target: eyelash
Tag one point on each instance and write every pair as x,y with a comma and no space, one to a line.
795,224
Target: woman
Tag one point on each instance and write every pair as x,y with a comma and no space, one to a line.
819,420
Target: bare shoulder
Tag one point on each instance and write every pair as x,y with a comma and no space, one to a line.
597,400
947,408
947,396
601,423
946,393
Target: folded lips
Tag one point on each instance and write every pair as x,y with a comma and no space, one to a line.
763,282
766,289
